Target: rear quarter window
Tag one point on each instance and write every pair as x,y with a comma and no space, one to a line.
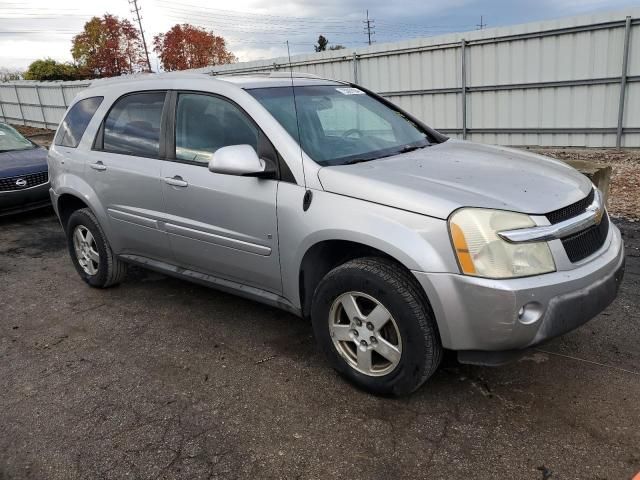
76,121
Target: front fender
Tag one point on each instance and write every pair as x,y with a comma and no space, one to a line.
418,242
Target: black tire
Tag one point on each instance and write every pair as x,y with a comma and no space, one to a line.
111,271
396,289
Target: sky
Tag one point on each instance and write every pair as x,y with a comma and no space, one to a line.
258,29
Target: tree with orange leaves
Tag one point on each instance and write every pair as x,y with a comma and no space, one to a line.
109,46
186,46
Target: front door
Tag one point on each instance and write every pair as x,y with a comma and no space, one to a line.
223,225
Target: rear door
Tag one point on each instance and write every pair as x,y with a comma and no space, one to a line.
125,172
223,225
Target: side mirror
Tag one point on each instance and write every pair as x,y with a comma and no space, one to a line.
240,160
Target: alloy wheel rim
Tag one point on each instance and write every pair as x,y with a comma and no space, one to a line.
365,334
86,250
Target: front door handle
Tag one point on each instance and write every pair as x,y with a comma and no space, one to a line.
98,166
176,181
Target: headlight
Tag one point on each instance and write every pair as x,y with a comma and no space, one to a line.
482,253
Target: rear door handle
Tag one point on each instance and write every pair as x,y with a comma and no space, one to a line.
176,181
98,166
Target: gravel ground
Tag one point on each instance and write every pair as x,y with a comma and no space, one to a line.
41,136
624,197
159,378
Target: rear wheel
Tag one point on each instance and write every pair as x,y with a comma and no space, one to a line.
375,325
90,251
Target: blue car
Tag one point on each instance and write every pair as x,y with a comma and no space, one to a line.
24,177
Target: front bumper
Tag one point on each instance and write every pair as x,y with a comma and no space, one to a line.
17,201
482,315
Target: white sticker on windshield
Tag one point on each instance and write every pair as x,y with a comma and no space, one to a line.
350,91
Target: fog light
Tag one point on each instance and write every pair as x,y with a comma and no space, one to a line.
530,313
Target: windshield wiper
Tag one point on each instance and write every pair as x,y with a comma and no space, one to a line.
358,160
411,148
405,149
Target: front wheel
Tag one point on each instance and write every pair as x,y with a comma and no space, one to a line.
375,325
90,251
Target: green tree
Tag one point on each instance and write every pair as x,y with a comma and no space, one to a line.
337,47
49,69
322,44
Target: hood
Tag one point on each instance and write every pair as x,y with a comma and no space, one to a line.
437,180
23,162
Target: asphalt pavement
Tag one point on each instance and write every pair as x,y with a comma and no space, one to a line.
160,378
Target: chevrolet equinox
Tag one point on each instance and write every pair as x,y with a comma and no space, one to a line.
326,200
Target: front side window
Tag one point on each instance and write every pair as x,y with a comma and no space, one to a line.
12,140
75,123
132,125
337,125
205,123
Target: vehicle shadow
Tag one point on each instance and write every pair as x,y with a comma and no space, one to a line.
26,217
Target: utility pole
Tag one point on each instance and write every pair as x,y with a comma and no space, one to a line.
481,25
369,24
136,10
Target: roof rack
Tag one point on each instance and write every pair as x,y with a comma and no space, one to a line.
268,74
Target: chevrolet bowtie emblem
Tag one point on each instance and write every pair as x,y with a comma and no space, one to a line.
597,208
598,215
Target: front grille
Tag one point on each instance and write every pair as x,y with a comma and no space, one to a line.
32,180
573,210
586,242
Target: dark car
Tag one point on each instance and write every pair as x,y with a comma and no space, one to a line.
24,178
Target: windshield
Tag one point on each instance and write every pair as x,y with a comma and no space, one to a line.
11,140
340,125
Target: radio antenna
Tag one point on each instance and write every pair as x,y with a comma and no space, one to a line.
295,109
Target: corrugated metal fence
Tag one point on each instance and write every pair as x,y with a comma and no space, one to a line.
568,82
39,104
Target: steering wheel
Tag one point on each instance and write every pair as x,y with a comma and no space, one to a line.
351,131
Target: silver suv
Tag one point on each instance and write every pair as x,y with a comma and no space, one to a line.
326,200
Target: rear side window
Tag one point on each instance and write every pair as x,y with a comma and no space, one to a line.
76,121
132,125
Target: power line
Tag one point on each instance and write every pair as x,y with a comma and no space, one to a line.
256,24
230,28
396,24
40,32
255,28
346,35
368,26
236,31
244,18
253,21
257,16
136,10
